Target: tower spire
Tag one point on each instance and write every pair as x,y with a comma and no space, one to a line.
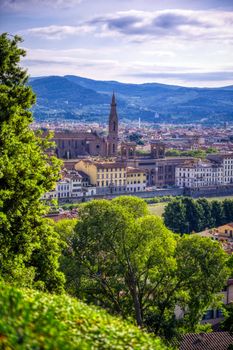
113,128
113,99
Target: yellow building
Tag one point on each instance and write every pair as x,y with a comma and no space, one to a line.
112,177
107,176
136,179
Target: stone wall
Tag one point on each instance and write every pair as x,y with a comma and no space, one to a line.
217,191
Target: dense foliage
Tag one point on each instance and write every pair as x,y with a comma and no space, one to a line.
29,246
200,153
128,262
186,215
33,320
227,324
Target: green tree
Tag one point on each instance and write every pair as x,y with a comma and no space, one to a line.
228,210
227,324
207,220
66,230
194,214
175,216
134,205
120,258
217,213
203,274
136,267
29,247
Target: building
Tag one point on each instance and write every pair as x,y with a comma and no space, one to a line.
199,173
226,161
72,145
112,140
71,185
107,176
135,180
160,170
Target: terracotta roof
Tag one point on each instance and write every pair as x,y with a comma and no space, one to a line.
206,341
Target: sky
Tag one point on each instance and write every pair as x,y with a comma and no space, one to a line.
181,42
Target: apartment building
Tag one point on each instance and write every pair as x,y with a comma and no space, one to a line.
135,179
111,177
71,185
107,176
226,161
199,173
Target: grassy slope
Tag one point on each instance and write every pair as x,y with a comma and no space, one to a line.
35,320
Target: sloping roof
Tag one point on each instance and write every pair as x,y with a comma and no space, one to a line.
206,341
226,226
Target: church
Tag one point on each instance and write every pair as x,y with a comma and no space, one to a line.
72,145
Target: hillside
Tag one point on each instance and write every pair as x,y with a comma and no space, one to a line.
34,320
73,97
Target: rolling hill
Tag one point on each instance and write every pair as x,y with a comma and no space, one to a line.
77,98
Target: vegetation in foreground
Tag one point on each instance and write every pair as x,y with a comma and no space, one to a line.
29,247
35,320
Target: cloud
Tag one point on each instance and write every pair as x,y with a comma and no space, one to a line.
137,26
59,32
167,23
186,76
20,5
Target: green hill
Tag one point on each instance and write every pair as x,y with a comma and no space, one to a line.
82,99
35,320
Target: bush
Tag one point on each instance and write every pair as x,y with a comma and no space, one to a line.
35,320
160,199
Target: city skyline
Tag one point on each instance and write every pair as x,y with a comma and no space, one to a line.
186,43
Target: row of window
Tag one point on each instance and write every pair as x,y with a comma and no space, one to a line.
110,176
111,170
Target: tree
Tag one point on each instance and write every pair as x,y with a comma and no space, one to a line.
228,210
136,267
134,205
194,214
175,216
202,271
217,213
227,324
207,220
66,230
29,246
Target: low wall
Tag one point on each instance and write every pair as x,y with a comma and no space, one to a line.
210,192
145,194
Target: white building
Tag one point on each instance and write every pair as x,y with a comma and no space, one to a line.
226,161
71,185
198,173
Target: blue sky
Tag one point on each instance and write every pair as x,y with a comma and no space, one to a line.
184,42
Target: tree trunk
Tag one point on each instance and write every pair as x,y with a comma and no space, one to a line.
136,302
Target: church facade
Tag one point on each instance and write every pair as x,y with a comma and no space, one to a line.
72,145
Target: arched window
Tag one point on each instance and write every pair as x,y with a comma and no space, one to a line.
113,148
114,126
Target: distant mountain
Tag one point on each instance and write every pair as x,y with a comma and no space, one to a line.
73,97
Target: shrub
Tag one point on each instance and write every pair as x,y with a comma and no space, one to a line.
35,320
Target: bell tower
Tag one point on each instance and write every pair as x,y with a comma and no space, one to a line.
113,129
